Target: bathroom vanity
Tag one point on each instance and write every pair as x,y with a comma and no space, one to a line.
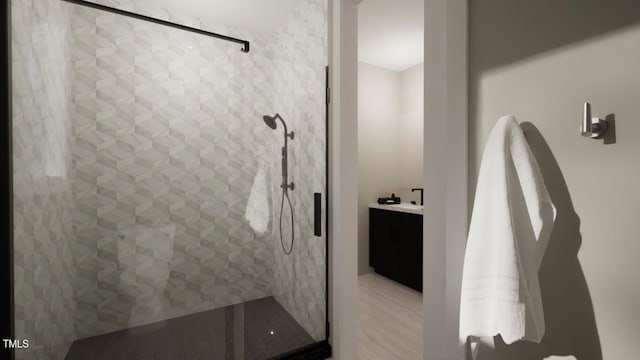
395,242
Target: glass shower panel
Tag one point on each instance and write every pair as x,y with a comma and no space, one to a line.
149,213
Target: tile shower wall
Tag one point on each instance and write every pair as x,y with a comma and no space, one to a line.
142,165
301,54
169,137
43,204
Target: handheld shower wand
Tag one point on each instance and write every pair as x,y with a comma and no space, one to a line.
286,186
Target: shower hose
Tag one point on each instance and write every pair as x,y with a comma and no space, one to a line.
286,193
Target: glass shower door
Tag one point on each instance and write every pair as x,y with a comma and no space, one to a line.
150,216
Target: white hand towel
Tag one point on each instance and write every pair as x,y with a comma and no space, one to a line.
510,227
257,212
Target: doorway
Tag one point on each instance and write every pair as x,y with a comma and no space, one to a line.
390,178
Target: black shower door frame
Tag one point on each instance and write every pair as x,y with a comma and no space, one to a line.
6,211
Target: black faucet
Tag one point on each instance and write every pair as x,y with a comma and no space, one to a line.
421,194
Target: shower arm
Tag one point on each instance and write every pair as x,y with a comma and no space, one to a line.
284,124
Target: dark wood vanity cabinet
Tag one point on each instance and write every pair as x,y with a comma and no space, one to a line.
395,246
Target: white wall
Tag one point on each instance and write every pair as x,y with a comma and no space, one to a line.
343,187
411,131
589,275
390,119
378,145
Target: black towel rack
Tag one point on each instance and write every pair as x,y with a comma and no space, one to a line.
245,44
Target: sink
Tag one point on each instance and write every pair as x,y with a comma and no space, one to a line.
406,206
403,207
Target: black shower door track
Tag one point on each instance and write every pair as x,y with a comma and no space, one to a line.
245,44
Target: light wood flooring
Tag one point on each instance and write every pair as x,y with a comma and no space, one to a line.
390,320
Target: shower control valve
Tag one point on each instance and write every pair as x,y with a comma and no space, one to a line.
289,187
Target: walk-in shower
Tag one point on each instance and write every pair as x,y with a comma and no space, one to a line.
136,137
286,186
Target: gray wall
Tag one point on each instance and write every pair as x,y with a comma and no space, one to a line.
540,60
168,140
300,56
42,170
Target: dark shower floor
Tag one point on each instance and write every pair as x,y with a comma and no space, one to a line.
255,330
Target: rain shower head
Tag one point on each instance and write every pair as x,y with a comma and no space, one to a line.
270,121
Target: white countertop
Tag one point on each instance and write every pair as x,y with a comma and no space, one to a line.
402,207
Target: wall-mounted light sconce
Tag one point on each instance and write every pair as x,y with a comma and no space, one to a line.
592,127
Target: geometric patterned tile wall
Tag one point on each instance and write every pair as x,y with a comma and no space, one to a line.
136,189
299,279
42,203
169,136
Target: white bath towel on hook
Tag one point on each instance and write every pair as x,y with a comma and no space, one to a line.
257,212
510,227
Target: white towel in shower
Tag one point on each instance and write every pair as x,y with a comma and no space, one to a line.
510,227
257,212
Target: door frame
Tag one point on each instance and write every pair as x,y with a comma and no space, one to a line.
445,175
